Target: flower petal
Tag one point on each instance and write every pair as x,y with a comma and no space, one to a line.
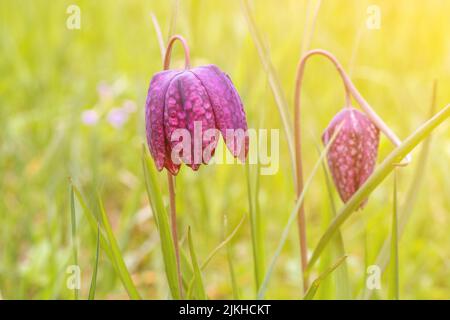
353,154
154,115
228,109
188,108
370,138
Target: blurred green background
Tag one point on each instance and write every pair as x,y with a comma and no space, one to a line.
72,105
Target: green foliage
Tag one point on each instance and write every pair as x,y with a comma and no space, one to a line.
196,290
51,75
393,274
162,221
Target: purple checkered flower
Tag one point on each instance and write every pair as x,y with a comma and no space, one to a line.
182,100
353,153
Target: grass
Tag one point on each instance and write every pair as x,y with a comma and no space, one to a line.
49,76
73,222
197,289
316,283
117,256
383,257
162,221
93,285
393,273
255,228
342,282
284,236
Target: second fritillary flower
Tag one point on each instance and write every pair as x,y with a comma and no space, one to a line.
353,153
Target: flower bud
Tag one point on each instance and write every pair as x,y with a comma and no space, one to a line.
353,154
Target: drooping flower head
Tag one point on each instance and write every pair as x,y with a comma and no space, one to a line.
353,153
200,101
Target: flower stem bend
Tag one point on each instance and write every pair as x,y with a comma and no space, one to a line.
167,55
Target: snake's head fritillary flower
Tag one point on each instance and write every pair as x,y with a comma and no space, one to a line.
353,153
199,101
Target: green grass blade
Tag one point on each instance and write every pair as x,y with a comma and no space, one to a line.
258,221
93,222
407,208
223,243
73,222
257,249
93,285
327,288
104,242
343,289
377,177
159,36
214,252
274,82
167,245
292,217
366,258
393,293
197,291
316,283
234,285
173,18
186,269
118,259
309,27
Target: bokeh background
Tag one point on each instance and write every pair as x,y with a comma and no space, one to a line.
72,106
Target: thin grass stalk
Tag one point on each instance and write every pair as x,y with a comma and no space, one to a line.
343,290
382,259
226,240
73,220
234,286
220,246
197,282
173,18
316,283
159,36
257,270
292,217
309,30
274,82
93,286
118,257
393,277
255,221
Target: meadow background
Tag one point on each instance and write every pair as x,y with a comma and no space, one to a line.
50,76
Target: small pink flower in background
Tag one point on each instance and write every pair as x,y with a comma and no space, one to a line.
353,153
90,117
179,99
117,117
129,106
105,91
